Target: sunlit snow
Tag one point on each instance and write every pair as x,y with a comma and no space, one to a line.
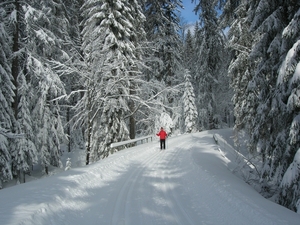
191,182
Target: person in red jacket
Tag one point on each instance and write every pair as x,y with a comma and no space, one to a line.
162,136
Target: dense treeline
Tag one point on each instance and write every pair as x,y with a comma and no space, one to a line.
264,38
89,73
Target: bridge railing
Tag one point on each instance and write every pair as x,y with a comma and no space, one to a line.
136,140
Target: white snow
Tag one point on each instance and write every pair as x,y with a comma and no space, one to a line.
292,172
188,183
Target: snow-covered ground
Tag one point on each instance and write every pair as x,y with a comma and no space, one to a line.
191,182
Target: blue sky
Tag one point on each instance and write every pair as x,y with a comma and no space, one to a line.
187,12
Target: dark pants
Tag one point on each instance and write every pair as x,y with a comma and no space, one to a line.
162,144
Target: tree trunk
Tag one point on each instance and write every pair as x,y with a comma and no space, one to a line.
89,129
132,111
69,129
15,60
132,121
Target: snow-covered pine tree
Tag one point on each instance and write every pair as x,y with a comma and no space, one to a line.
22,156
209,65
192,54
110,45
265,28
5,158
171,53
189,51
164,57
288,84
6,98
44,27
275,56
25,154
137,78
162,28
69,68
240,42
156,30
189,106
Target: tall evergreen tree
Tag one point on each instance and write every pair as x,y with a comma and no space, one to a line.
6,98
162,28
69,68
264,16
272,82
189,106
287,93
110,45
210,63
22,155
25,154
189,51
45,27
240,41
164,57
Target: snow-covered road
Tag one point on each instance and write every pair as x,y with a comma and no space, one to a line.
188,183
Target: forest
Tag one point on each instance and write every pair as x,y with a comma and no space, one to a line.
88,73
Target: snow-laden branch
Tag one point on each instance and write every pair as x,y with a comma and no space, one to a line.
8,134
150,100
241,48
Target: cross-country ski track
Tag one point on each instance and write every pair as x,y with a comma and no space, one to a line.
189,183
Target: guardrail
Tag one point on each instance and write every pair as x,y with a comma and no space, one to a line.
215,138
136,140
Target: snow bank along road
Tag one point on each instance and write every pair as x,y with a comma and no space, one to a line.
188,183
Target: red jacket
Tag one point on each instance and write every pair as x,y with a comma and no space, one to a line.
162,134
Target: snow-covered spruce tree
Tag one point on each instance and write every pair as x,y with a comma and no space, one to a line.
162,28
21,153
240,71
137,78
189,51
5,158
275,80
164,55
209,64
6,98
288,85
110,45
25,154
266,28
189,106
172,51
70,66
44,28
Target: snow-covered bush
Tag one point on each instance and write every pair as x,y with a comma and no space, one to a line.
164,121
289,195
68,164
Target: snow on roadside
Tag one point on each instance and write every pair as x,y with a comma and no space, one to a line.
191,182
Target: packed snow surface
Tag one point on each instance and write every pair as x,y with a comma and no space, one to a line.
188,183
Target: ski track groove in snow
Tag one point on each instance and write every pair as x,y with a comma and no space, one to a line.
163,203
121,213
178,210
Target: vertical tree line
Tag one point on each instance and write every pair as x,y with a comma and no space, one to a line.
264,71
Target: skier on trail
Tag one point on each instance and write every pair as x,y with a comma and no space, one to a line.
162,136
